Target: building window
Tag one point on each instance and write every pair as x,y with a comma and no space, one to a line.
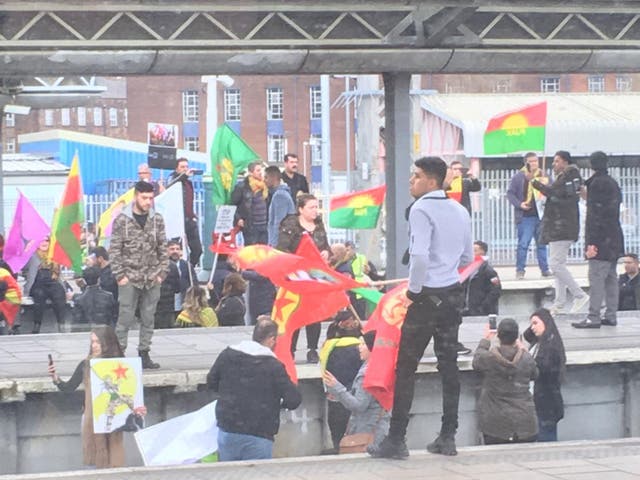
9,120
550,85
97,116
190,106
10,146
48,117
595,83
232,105
315,146
82,116
65,116
274,103
315,98
275,148
125,117
502,86
453,88
623,83
191,143
113,117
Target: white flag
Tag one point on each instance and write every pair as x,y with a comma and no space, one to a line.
169,204
180,440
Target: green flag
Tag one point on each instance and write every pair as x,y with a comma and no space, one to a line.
229,155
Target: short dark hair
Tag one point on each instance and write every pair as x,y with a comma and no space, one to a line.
174,241
631,255
91,275
433,167
508,331
272,171
100,252
599,160
455,162
529,154
287,156
143,187
252,166
180,160
265,328
482,245
563,154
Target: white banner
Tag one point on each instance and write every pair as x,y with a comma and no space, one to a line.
180,440
169,204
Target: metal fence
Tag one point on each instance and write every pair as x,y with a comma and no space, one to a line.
492,218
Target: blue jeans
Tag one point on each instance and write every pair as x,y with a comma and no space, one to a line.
240,446
547,431
529,229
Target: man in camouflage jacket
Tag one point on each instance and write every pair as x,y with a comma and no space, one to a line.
139,262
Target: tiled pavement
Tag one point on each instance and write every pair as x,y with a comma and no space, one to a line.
602,460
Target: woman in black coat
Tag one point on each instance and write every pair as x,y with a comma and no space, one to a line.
548,350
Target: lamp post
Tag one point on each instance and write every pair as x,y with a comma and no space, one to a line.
211,124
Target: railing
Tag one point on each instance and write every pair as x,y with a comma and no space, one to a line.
492,218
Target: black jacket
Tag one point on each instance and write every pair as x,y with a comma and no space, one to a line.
297,183
108,281
95,306
231,310
602,227
168,288
629,296
482,292
242,197
262,293
561,217
550,360
253,386
291,232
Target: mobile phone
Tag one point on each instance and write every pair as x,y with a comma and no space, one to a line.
493,322
50,359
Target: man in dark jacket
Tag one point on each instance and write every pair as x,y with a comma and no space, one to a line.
252,387
560,228
296,182
174,287
461,185
250,196
483,288
524,199
182,174
629,283
107,280
94,306
604,243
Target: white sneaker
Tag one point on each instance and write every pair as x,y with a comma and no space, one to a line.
579,303
556,310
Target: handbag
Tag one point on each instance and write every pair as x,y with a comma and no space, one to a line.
356,442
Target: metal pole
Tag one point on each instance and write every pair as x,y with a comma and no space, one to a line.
347,131
326,138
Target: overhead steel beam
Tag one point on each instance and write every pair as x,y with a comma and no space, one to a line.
305,36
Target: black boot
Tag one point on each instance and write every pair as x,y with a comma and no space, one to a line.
36,327
444,444
147,363
389,448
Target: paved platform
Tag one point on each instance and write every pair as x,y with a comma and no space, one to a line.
610,460
186,355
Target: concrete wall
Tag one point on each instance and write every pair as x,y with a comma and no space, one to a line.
41,431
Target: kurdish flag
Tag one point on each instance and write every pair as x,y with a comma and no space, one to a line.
357,210
229,155
68,219
517,131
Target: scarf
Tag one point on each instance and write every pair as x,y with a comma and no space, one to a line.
257,186
532,194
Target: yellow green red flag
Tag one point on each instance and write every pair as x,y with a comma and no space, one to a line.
68,219
358,210
517,131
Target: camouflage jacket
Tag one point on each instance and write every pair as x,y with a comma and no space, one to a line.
136,253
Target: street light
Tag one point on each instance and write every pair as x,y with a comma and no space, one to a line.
212,102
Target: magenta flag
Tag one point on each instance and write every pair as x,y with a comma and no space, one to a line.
27,231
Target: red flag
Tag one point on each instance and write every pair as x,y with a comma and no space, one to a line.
313,301
387,320
10,306
224,244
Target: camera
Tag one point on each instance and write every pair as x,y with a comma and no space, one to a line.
493,322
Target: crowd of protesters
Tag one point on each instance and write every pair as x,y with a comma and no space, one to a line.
145,278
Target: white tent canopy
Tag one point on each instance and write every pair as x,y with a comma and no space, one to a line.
578,122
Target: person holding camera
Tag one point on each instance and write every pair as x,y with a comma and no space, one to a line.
506,410
524,197
461,184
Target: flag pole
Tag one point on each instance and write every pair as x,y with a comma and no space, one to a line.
215,259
